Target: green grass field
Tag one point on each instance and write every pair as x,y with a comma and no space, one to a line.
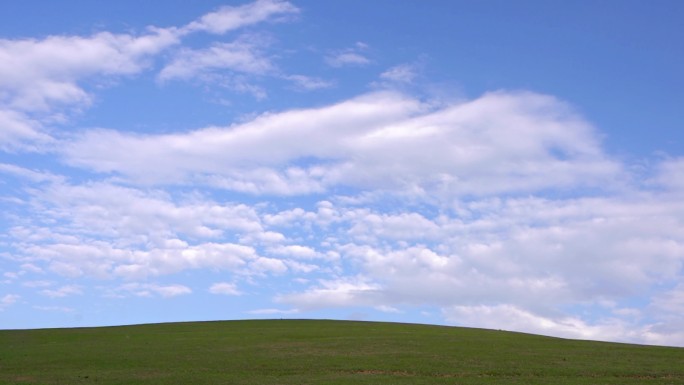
322,352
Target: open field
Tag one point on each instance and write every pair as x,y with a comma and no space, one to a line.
322,352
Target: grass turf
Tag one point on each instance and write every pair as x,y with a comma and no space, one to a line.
322,352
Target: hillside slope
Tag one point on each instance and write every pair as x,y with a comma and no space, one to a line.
322,352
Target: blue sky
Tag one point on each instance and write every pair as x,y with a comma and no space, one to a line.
508,165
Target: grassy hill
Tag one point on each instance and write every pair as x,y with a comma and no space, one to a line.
322,352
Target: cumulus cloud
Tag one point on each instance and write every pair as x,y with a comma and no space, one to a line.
104,259
132,212
113,231
265,265
296,251
522,256
526,259
490,242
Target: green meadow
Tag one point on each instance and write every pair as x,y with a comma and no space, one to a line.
322,352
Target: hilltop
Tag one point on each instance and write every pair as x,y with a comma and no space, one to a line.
322,352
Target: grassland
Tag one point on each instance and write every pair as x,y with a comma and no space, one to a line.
322,352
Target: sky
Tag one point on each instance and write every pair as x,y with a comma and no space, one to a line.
492,164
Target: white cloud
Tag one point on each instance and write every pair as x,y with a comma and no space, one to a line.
671,302
100,259
301,268
404,226
529,256
343,292
141,216
61,309
224,288
38,283
404,73
533,257
36,75
508,317
263,265
238,56
667,311
171,290
8,300
63,291
431,231
43,81
151,290
296,251
230,18
11,276
237,65
107,231
347,59
17,129
500,142
388,309
670,174
308,83
28,174
240,157
266,237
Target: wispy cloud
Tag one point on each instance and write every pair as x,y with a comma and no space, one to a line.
44,80
404,73
308,83
230,18
347,59
224,288
238,56
8,300
151,290
63,291
353,56
60,309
